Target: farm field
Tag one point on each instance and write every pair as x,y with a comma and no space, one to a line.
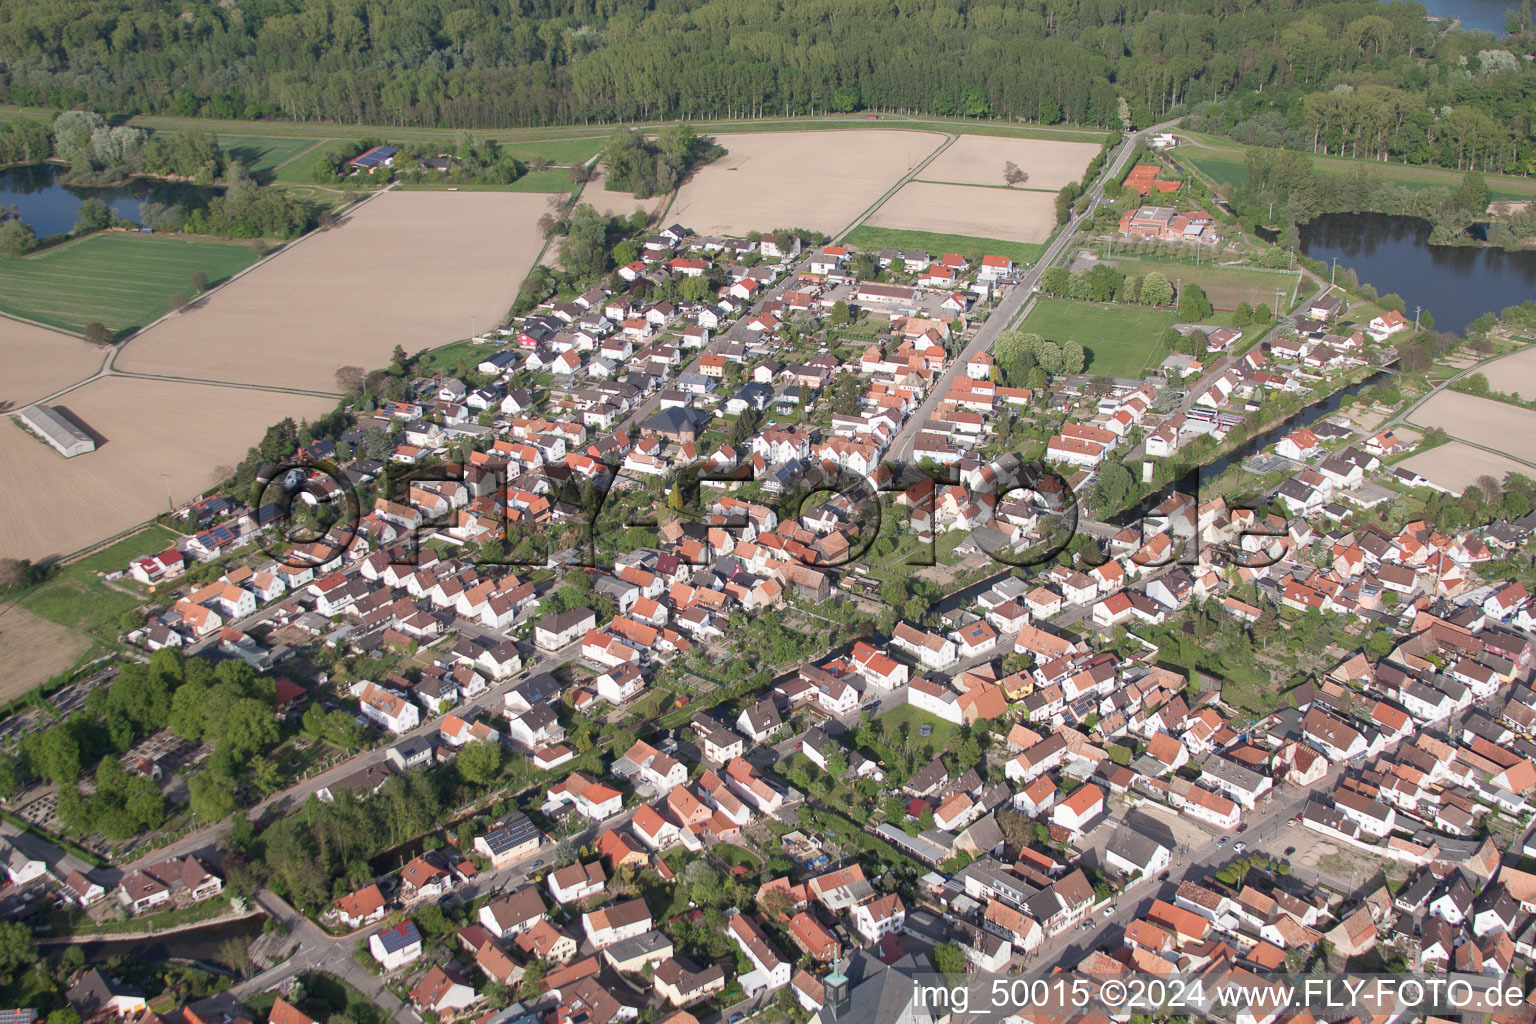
1482,421
1120,341
122,279
867,237
406,268
149,428
1224,286
1515,373
262,153
1013,214
38,362
614,202
770,180
1456,466
33,650
979,160
1224,161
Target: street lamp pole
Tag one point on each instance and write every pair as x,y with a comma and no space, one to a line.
1334,273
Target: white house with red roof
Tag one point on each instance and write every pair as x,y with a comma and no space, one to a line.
1387,324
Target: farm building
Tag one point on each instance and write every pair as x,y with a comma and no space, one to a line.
54,427
378,156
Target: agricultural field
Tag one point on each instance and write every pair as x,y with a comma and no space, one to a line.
1494,425
261,154
868,237
1120,341
979,160
773,180
146,430
1456,466
1224,286
614,202
47,629
1514,374
1013,214
125,280
1223,161
39,362
417,269
33,650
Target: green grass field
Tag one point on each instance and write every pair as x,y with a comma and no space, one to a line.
77,599
1224,286
261,153
1226,164
867,237
123,280
556,151
914,719
552,179
301,169
1121,341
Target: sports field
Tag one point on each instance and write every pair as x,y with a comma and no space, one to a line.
1121,341
262,153
1224,286
123,280
867,236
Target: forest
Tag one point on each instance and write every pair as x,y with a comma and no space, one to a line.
1385,81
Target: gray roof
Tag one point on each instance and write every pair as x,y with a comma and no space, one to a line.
1134,847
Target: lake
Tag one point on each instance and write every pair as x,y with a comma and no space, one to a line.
1480,15
50,206
1458,283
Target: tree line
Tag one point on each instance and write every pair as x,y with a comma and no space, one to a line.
489,63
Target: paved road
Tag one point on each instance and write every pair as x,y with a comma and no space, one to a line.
1015,305
294,797
1266,833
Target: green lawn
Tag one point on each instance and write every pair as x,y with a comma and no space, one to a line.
556,151
868,237
551,179
1224,286
301,169
78,599
262,153
1121,341
123,280
1226,163
915,719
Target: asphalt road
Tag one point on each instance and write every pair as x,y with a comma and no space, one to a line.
1014,305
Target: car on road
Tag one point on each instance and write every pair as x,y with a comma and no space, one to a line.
1240,846
1109,911
535,865
1221,842
1290,850
735,1018
1243,827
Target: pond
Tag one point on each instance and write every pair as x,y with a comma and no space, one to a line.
1458,283
49,206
